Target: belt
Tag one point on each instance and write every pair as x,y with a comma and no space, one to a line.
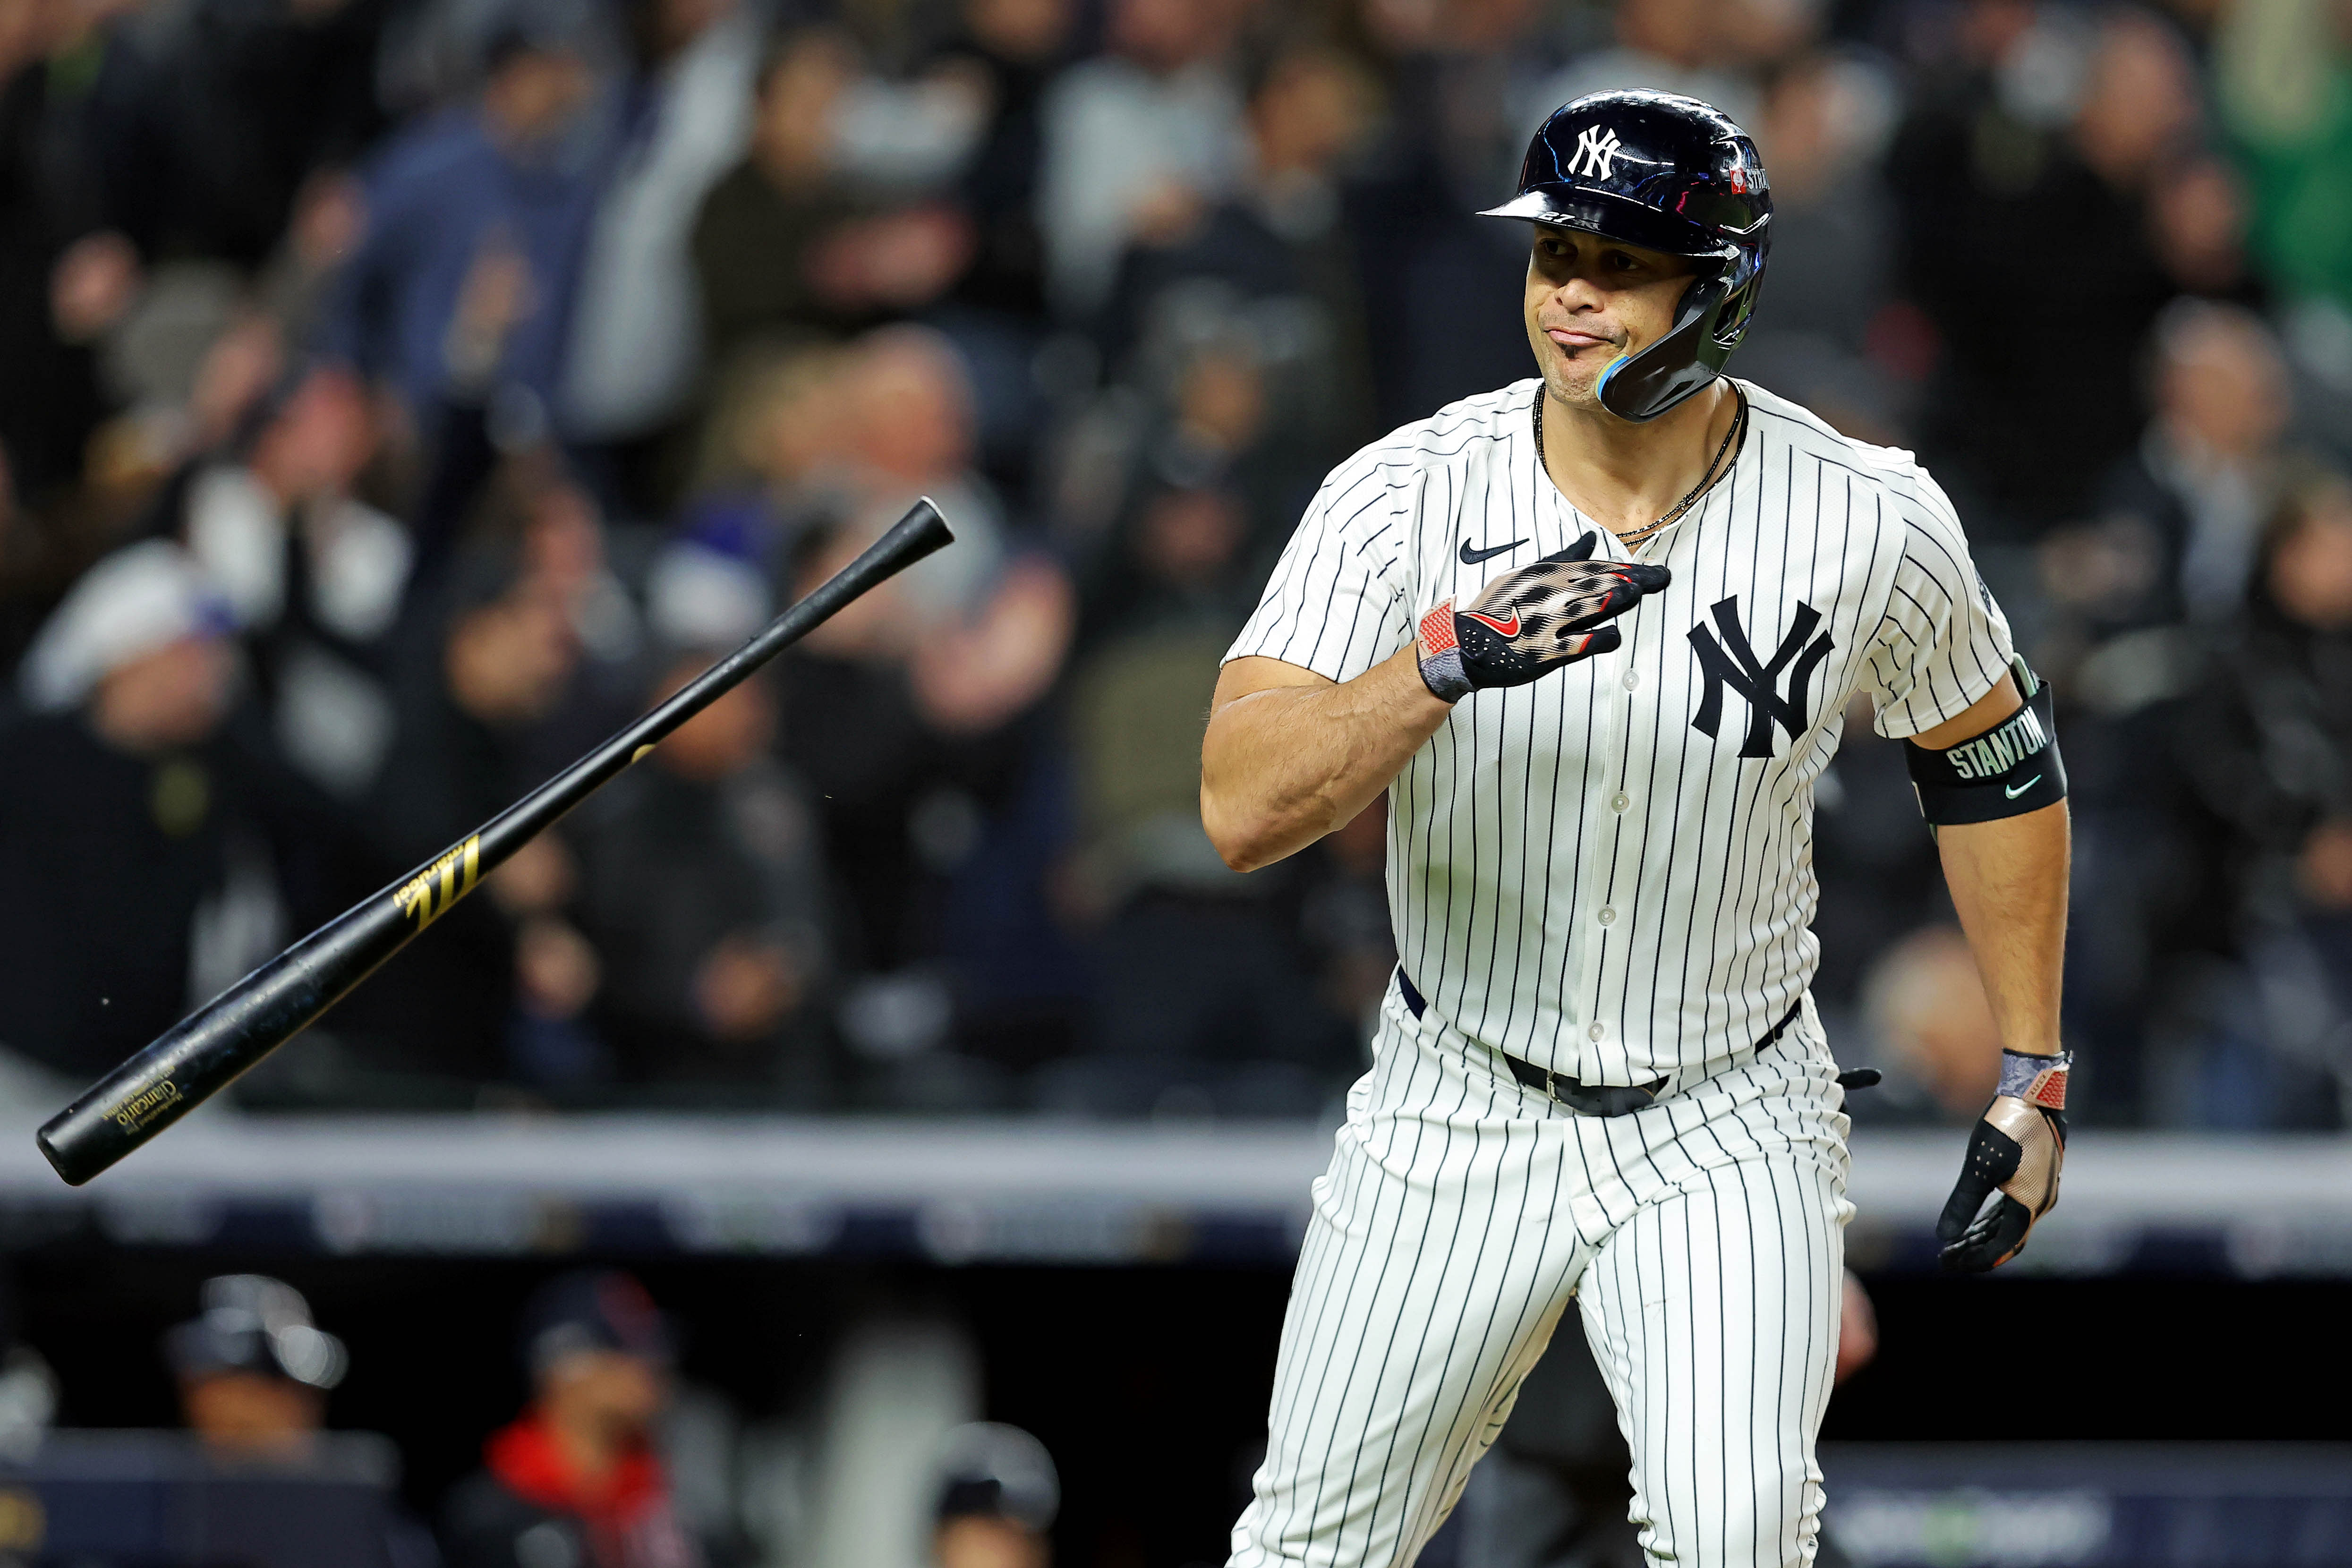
1587,1099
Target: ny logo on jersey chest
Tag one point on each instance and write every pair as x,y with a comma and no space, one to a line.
1732,662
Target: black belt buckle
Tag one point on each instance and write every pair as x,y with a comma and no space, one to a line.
1586,1099
1598,1098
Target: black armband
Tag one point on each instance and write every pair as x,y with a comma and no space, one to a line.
2007,771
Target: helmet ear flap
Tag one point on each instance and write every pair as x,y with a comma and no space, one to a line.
1731,317
1642,387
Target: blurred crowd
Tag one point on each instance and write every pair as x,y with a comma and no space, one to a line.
402,394
614,1460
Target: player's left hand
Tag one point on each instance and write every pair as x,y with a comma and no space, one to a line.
2017,1150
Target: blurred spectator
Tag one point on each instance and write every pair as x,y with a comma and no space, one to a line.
998,1497
28,1389
702,895
296,285
912,689
141,851
2199,219
205,121
853,729
30,577
313,576
2267,742
1933,1030
915,714
516,170
1014,48
1465,81
756,237
1271,264
789,244
575,1478
2223,408
1134,709
1692,46
2043,144
776,429
636,337
65,277
1137,142
1207,1002
469,703
995,623
2181,516
2130,598
1186,488
58,305
254,1370
2282,68
1826,119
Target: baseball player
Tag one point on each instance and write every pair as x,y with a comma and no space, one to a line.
1595,634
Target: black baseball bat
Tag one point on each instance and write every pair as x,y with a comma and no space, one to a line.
206,1051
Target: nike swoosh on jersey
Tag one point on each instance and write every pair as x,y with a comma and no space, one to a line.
1472,557
1509,629
2021,789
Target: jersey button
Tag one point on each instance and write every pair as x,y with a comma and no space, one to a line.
1595,1033
1608,916
1633,679
1620,801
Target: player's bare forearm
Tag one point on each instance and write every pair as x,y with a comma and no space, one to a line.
1290,755
2007,879
2009,883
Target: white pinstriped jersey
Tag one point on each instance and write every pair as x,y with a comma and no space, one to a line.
1609,872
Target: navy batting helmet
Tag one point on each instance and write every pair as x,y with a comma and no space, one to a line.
1668,173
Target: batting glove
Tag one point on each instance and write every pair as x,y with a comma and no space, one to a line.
1528,623
2018,1150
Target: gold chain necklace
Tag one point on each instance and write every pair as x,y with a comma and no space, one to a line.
1640,535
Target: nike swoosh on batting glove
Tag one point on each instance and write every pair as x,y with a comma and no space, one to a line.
2016,1152
1529,622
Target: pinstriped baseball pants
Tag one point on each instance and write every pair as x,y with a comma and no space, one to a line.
1701,1238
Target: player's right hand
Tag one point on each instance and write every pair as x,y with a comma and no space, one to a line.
1529,622
2017,1150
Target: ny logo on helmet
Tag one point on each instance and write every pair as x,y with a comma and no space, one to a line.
1596,151
1733,663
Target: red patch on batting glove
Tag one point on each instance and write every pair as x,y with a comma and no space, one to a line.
1437,629
2051,1092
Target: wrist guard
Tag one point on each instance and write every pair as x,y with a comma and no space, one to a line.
2016,1152
2007,771
1528,623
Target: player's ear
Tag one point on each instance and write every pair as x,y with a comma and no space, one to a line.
1579,551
